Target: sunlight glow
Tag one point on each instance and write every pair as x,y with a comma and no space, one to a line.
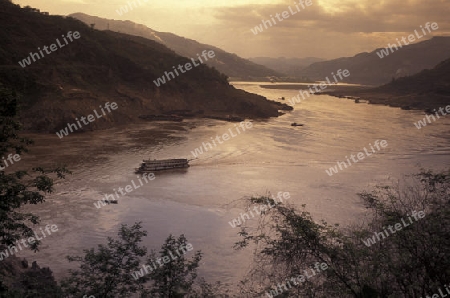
338,6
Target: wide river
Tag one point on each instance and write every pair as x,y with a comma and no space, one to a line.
271,156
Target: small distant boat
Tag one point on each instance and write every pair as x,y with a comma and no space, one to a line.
111,201
296,124
359,100
163,164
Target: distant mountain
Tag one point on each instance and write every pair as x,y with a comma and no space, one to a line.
230,64
434,81
288,66
370,69
70,79
429,89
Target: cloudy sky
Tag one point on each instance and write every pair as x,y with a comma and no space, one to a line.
325,29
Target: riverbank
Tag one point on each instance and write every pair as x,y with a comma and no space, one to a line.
427,90
393,99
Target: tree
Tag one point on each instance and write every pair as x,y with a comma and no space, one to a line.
18,188
114,271
176,278
108,271
412,261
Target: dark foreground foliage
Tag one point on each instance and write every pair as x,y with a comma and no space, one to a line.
114,270
411,262
17,189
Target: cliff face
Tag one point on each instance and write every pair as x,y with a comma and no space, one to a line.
99,67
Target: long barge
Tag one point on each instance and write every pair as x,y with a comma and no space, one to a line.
148,166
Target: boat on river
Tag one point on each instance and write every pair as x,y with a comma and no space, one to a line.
148,166
296,124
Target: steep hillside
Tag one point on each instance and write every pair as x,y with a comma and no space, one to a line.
227,63
102,66
370,69
428,89
429,81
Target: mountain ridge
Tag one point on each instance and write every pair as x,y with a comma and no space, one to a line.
228,63
368,68
288,66
426,90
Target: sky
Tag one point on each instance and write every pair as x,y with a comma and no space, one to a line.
325,29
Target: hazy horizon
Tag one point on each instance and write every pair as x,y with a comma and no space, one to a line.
323,29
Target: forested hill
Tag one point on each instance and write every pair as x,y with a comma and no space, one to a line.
230,64
72,80
429,89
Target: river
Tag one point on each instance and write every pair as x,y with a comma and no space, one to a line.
271,156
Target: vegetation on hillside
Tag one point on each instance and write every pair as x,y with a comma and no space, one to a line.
105,66
434,81
230,64
427,90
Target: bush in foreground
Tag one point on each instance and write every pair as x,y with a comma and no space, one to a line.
411,261
114,270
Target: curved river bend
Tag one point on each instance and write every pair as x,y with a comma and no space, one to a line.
271,156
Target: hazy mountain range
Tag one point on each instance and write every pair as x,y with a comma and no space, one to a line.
230,64
365,68
370,69
287,66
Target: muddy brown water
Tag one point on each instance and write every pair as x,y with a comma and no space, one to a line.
200,201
